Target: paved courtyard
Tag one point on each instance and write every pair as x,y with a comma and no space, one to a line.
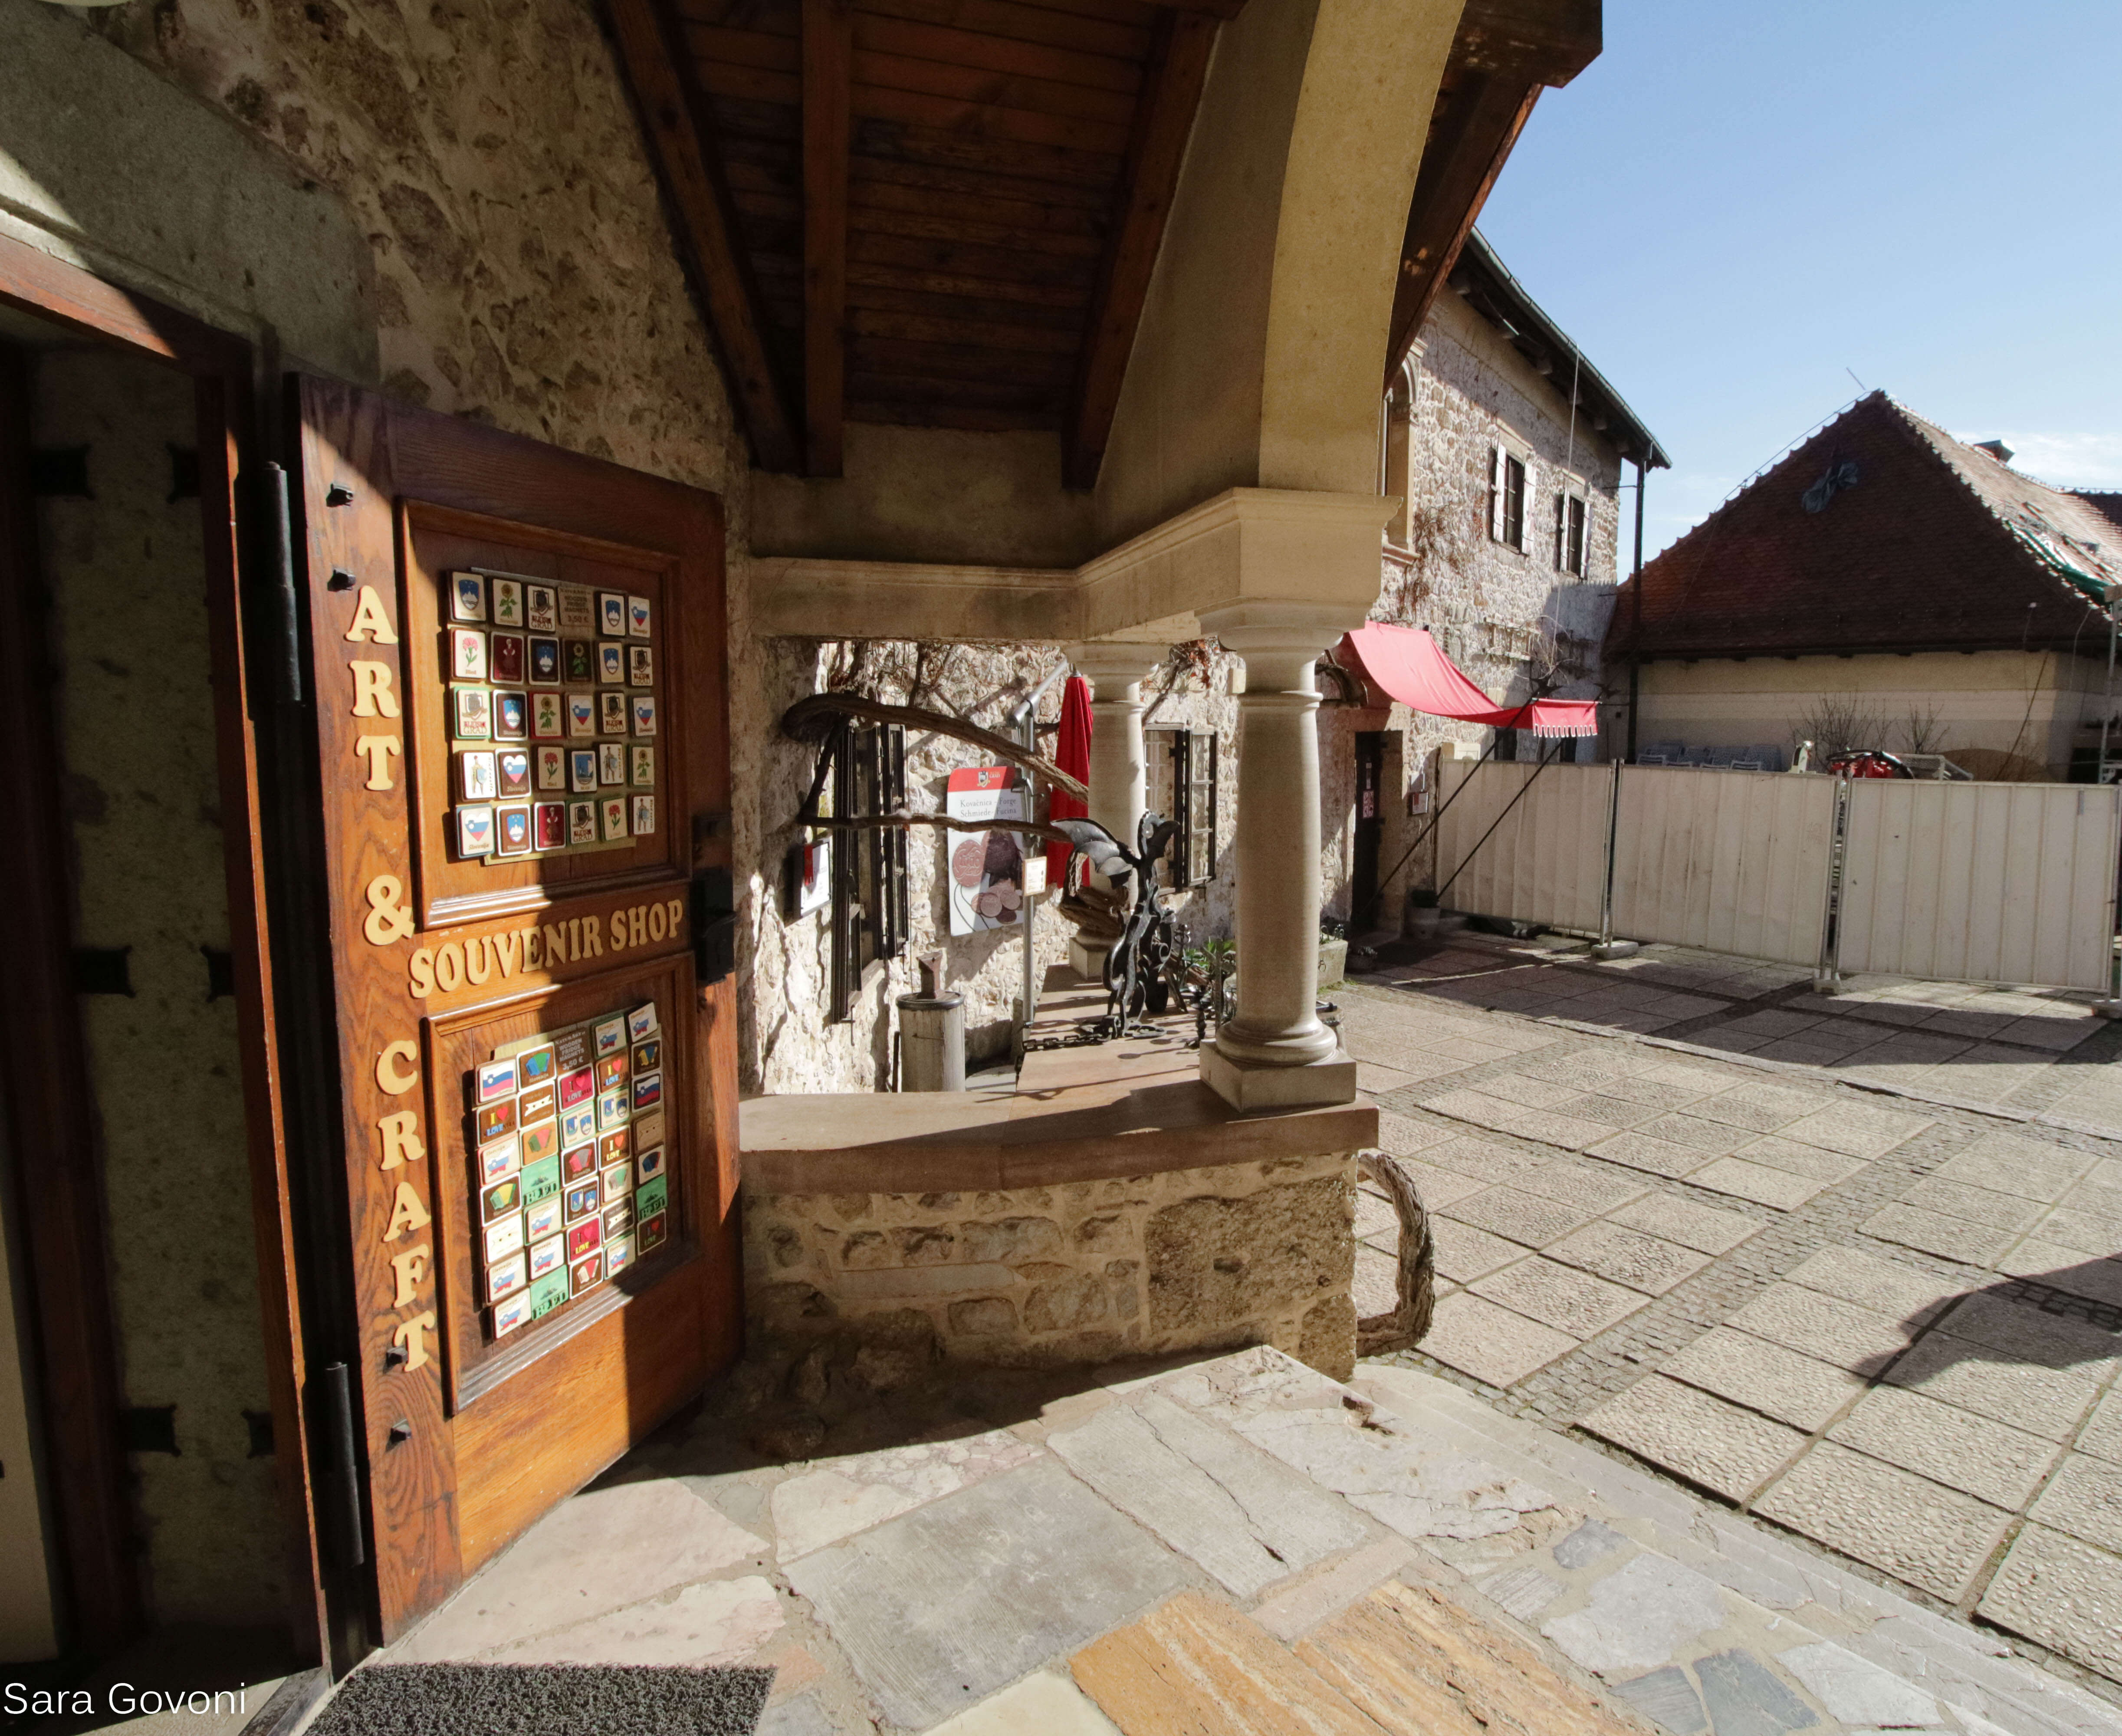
1849,1263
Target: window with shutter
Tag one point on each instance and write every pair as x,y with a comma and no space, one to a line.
1495,494
1513,529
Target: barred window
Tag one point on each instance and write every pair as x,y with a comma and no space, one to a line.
870,915
1182,786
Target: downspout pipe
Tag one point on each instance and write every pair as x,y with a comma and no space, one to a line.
1636,606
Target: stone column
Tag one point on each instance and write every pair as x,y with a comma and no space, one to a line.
1275,1053
1120,764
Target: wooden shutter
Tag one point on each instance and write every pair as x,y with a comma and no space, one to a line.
1495,494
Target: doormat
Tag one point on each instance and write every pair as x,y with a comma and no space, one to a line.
544,1700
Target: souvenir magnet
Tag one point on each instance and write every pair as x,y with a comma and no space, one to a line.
533,1067
618,1219
644,715
582,770
552,818
585,1237
496,1120
618,1253
613,1147
540,1220
582,822
647,1129
610,1034
504,657
552,768
467,598
475,775
578,659
612,1109
583,1201
640,667
578,1126
618,1181
467,654
541,609
540,1142
586,1275
578,1162
504,1239
649,1165
649,1232
637,616
611,763
547,1255
642,1020
511,830
649,1055
611,615
647,1090
582,715
536,1104
501,1198
644,816
615,818
473,715
571,1050
653,1195
549,717
512,771
541,1181
611,713
576,1087
508,595
611,1070
499,1160
611,665
497,1079
577,610
506,1278
549,1292
544,662
509,1315
644,767
512,716
475,832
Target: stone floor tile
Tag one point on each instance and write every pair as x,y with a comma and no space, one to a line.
2066,1226
1977,1455
1543,1125
1933,1232
2084,1498
1973,1377
2049,1030
1744,1697
835,1498
1521,1217
1639,1615
1693,1131
1374,1289
1699,1081
1777,1188
1796,1050
1885,1286
1825,1327
1374,1212
1695,1436
1241,1517
1012,1571
1708,1229
1523,1592
1612,1111
1377,1081
1480,1159
2062,1593
1490,1343
2050,1340
2008,1164
1917,1530
1772,1021
1629,1256
1856,1130
1437,1187
1758,1108
1047,1703
2101,1199
1769,1378
717,1622
1526,1090
1560,1296
2065,1269
1594,1188
2103,1434
1826,1167
1668,1699
802,1715
1640,1151
1976,1204
1858,1691
1591,1541
1403,1136
1463,1253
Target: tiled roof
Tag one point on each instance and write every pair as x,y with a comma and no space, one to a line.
1881,532
2108,505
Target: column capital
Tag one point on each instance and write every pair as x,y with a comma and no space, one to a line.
1115,663
1267,629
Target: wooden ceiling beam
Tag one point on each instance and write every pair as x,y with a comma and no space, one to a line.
1219,10
828,100
1157,146
680,131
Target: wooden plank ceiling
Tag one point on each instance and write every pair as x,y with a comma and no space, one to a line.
938,212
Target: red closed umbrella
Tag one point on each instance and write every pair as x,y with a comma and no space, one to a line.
1072,753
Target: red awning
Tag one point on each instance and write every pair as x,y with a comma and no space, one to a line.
1410,666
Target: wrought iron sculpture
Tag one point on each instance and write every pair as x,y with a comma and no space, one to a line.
1135,965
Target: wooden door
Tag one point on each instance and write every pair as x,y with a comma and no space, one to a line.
520,687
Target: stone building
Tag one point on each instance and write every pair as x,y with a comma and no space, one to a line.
364,368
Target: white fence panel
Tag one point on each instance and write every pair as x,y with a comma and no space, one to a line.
1981,882
1732,861
1546,862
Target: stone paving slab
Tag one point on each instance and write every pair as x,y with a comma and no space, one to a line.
1593,1188
1814,1324
1627,1256
2062,1593
1652,1155
1489,1342
1463,1253
1977,1455
2084,1498
1800,1391
1777,1188
1692,1224
1934,1233
1973,1377
1519,1216
1560,1296
1716,1445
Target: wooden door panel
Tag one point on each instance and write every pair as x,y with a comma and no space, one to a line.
474,1416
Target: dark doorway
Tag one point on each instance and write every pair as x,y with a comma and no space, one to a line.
1370,828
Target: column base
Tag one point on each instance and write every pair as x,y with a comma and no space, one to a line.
1311,1086
1086,958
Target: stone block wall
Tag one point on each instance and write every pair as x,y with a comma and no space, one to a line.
1075,1273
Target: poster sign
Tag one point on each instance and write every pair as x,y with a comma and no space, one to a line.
985,869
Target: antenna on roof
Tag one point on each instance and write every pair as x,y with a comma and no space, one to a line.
1852,373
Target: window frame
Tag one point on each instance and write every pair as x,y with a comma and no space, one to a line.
1191,763
871,918
1510,483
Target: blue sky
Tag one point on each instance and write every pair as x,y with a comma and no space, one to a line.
1734,208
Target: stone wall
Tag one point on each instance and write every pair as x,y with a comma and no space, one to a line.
1076,1273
